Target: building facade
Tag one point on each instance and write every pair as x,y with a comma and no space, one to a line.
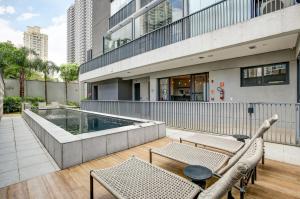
35,40
71,34
79,31
197,50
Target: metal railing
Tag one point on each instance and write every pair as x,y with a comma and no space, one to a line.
122,14
219,15
212,117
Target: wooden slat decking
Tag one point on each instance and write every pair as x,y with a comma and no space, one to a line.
275,179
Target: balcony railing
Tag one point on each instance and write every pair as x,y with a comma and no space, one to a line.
219,15
212,117
122,14
145,2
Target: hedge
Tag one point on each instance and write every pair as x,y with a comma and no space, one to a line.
12,104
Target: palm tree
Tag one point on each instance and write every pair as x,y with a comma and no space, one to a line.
47,68
24,65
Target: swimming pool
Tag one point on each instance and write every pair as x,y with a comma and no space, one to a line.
75,136
78,122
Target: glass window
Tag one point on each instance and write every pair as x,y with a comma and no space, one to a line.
275,74
159,16
116,5
181,88
164,89
252,76
118,38
265,75
196,5
200,87
177,9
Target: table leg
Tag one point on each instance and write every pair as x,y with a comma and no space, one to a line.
201,183
91,187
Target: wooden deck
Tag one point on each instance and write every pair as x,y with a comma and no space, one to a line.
275,179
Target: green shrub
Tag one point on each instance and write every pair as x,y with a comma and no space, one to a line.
70,103
34,100
12,104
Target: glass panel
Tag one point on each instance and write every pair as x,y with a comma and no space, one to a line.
159,16
164,89
275,74
200,87
252,76
140,25
196,5
180,88
116,5
118,38
177,9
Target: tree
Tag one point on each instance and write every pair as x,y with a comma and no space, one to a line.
24,65
47,68
6,54
69,72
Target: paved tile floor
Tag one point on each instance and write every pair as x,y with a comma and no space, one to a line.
22,156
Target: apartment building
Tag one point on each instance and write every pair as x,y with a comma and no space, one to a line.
35,40
79,31
196,50
71,34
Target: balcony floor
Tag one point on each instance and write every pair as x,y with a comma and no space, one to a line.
275,179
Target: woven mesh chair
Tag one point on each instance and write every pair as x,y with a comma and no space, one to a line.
215,161
247,162
219,143
135,179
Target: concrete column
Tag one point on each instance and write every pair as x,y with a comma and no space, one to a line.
153,89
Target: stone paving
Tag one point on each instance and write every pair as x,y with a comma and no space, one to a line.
22,156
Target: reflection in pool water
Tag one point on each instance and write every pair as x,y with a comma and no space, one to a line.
77,122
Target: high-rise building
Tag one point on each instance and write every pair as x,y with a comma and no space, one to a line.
71,34
79,31
35,40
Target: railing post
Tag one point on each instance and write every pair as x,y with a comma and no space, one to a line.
250,112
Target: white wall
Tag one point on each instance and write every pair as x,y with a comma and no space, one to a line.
228,71
144,83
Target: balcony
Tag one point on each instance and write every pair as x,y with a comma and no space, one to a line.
122,14
220,15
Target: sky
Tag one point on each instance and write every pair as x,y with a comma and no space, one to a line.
50,15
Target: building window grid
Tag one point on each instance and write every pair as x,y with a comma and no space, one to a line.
265,75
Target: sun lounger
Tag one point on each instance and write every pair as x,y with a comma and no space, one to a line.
221,144
213,160
135,179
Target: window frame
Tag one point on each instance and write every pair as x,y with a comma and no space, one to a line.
287,75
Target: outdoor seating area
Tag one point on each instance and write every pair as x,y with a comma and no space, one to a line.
274,179
139,179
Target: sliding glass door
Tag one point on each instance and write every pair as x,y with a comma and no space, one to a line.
184,88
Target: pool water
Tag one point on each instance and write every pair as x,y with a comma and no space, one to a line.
78,122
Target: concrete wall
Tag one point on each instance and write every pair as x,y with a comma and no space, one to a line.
125,89
101,13
228,71
113,89
56,90
144,83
